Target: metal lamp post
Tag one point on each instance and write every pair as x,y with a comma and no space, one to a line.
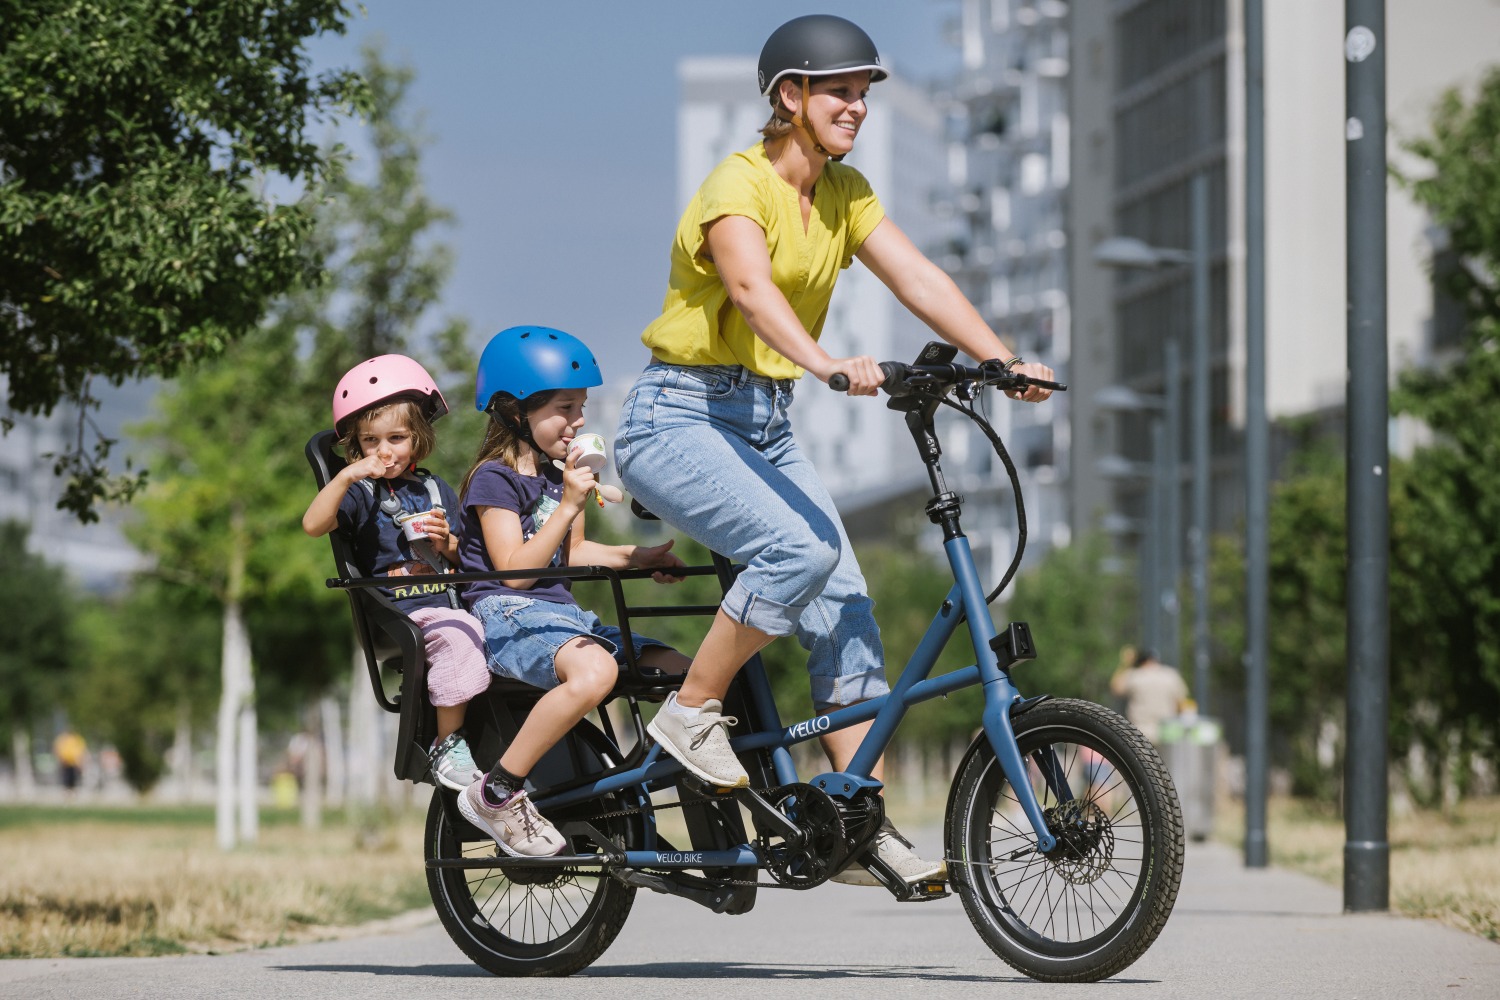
1160,628
1129,252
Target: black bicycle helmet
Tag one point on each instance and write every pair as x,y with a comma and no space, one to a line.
817,45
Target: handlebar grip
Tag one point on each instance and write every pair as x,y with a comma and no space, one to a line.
894,372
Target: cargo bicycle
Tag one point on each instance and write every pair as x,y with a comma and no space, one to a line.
1062,832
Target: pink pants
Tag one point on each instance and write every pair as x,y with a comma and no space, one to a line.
457,664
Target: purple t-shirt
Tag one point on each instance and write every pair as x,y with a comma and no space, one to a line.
380,547
533,499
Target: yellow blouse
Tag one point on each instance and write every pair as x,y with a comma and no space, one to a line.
698,324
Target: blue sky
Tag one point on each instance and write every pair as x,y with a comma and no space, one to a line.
553,140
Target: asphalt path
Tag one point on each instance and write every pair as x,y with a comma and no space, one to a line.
1234,933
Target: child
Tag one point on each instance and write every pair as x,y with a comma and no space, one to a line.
520,510
382,410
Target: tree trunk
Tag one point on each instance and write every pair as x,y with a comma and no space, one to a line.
312,787
180,757
226,773
237,757
364,737
20,750
333,751
249,757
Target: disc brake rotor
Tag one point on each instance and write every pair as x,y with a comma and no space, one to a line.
1085,841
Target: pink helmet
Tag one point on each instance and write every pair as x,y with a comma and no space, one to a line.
381,379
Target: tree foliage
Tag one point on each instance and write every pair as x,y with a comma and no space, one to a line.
1446,552
149,661
139,143
39,653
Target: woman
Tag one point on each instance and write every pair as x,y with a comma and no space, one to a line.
704,440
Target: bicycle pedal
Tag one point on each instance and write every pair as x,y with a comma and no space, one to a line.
923,890
707,789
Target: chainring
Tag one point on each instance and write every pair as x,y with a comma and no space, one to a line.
823,849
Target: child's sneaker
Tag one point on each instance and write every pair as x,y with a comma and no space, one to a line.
517,827
452,763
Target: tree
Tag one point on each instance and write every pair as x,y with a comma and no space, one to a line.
221,518
137,140
1448,559
38,653
146,674
385,274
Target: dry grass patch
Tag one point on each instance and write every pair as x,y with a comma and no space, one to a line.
152,882
1444,866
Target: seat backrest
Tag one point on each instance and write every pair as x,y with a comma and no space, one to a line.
384,633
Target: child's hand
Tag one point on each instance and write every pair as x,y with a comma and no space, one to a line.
658,557
368,467
578,482
435,527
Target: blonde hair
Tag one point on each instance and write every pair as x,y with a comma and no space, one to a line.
422,437
501,442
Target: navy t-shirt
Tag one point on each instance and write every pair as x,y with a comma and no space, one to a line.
378,544
533,499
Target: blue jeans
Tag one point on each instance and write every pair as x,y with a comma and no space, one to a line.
709,450
523,636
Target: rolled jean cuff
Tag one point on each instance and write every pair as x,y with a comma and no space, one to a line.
829,693
760,613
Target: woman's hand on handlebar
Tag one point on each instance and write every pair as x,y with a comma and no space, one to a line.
863,373
1032,393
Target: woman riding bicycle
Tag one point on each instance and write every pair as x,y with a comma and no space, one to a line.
704,440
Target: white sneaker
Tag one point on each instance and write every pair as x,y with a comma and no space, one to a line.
519,830
896,851
453,765
700,742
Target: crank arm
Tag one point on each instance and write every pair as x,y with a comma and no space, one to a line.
769,818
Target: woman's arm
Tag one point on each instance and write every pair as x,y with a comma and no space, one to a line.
931,295
737,246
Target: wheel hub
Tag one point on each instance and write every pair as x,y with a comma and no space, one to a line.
1085,841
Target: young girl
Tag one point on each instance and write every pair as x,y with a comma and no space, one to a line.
383,411
520,510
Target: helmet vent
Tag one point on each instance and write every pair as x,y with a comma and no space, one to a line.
374,379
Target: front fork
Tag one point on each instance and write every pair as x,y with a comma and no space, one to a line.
1000,695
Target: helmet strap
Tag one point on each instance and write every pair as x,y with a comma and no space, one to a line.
802,121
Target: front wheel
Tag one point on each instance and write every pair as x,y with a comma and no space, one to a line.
1093,904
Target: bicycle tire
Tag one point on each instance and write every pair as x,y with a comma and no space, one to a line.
540,924
1098,900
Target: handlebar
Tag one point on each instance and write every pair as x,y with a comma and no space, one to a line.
904,380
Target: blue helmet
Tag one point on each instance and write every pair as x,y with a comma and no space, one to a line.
524,360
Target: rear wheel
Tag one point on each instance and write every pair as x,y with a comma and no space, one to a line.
1093,904
533,922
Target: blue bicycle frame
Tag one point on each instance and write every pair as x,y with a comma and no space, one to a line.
965,601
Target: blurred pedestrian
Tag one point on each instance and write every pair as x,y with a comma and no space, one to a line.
71,750
1153,692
